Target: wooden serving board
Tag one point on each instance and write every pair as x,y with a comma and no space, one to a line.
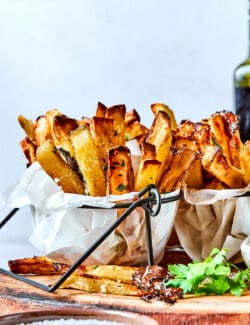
16,297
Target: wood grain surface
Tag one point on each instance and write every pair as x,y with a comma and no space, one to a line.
16,297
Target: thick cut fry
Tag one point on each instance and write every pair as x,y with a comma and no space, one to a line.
195,178
117,114
146,173
96,285
88,161
28,127
202,136
162,107
101,110
188,142
245,162
29,150
182,164
132,116
52,162
50,115
120,178
62,127
102,131
134,130
147,151
40,265
160,135
42,130
216,163
186,129
224,126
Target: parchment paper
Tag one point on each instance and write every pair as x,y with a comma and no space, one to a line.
64,231
208,218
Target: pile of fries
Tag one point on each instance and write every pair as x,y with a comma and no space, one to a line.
90,156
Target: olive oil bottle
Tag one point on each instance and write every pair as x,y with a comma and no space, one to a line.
242,93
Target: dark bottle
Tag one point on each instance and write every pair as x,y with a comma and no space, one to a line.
242,94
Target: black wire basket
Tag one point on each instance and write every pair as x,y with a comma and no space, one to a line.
149,199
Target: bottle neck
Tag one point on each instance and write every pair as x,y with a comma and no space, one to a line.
248,28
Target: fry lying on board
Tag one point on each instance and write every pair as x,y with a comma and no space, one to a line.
206,154
144,282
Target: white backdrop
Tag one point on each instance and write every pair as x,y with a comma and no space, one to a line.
72,54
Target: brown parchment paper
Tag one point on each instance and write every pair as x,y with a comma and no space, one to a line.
208,218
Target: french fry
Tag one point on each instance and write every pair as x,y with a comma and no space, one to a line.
120,178
50,116
202,136
117,114
147,173
29,150
195,179
224,126
160,135
245,162
39,265
62,127
88,161
163,107
134,130
185,129
216,163
95,285
52,162
42,131
189,142
101,110
132,116
28,127
180,168
102,131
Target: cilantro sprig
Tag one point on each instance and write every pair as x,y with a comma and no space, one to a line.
215,275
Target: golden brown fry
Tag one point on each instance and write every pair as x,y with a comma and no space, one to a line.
186,129
224,126
147,151
132,116
194,179
134,130
216,163
117,114
202,136
160,135
120,178
245,162
180,168
162,107
29,150
52,162
28,127
101,110
88,161
189,142
40,265
102,131
42,131
147,173
62,127
50,115
96,285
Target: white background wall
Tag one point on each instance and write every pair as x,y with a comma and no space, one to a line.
72,54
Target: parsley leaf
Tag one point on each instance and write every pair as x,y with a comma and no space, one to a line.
215,275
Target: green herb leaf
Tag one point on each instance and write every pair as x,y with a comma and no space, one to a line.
215,275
